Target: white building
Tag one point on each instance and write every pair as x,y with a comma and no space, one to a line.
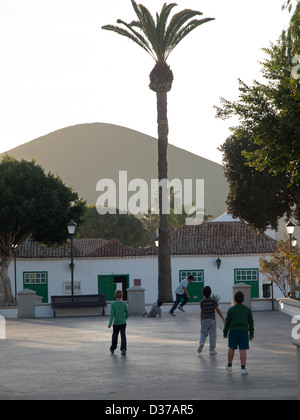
101,266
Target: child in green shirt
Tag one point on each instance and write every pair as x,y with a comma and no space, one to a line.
239,322
118,317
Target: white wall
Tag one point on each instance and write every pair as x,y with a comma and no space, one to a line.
87,271
220,280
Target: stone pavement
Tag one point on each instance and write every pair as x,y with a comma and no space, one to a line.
69,358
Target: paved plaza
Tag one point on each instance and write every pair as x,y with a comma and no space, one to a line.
69,358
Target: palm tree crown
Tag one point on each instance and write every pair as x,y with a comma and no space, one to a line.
158,38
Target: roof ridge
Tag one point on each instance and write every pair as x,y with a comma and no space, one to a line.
207,238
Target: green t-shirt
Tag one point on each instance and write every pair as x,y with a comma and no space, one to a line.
239,318
118,313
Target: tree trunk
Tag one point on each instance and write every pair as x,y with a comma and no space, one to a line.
164,249
6,296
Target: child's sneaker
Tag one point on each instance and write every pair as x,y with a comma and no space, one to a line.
200,348
244,372
229,369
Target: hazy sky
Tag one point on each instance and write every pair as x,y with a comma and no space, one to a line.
59,68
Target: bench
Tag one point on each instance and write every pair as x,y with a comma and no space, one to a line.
78,301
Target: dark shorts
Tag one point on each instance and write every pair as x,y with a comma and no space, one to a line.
238,339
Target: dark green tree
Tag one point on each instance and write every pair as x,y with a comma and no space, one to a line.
124,227
288,4
158,37
257,197
31,204
268,132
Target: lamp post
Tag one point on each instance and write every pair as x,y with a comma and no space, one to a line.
290,227
71,229
14,250
294,243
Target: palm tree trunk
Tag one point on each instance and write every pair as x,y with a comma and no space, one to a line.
6,296
164,249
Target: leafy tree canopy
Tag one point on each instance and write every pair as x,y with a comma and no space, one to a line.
267,137
32,204
278,268
259,198
124,227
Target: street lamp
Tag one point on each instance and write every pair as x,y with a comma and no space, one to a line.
290,227
71,229
294,243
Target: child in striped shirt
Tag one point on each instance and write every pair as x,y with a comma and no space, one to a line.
209,307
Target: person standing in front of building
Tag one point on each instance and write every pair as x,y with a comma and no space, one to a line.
181,293
239,322
209,306
118,318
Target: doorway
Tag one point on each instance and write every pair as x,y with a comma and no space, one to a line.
37,281
194,288
107,284
248,276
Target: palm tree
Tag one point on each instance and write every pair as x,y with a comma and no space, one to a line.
159,39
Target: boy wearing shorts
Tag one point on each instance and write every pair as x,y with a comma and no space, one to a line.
239,322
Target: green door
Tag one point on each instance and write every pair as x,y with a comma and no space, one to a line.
37,281
248,276
107,287
195,288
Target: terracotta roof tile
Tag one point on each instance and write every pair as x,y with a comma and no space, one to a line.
220,238
81,248
208,238
115,248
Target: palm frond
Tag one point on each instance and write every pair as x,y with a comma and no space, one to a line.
127,34
148,27
140,37
158,38
136,9
136,23
177,21
182,33
161,23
